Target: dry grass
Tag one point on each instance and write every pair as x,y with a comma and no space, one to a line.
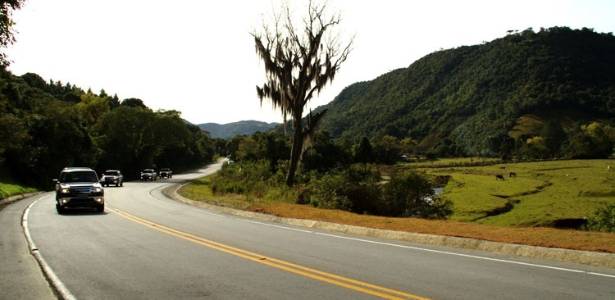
535,236
562,191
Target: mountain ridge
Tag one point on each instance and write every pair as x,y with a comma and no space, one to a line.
244,127
464,97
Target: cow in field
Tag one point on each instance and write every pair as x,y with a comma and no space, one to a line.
512,174
499,177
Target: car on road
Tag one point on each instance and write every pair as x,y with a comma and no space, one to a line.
165,173
110,177
148,175
78,187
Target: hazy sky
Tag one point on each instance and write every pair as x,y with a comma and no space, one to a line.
197,56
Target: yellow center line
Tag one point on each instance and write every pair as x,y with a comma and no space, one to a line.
349,283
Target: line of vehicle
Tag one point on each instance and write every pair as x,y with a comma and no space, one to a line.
436,251
349,283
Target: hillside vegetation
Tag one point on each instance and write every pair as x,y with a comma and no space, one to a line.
230,130
46,126
526,94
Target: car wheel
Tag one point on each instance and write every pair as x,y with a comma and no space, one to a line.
60,210
100,209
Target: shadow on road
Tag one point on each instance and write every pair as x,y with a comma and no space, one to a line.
82,212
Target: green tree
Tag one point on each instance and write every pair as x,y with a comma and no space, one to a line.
6,25
387,149
324,154
92,107
554,136
298,63
133,102
127,139
114,102
58,139
13,133
249,149
364,153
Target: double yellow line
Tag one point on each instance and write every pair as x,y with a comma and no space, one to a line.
341,281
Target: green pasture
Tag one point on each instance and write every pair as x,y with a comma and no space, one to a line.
539,194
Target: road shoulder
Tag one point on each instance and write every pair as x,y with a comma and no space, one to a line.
554,254
21,277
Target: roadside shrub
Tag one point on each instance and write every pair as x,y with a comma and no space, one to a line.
353,189
243,177
411,195
603,219
330,192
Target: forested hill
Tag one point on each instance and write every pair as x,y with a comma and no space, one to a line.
46,126
229,130
472,99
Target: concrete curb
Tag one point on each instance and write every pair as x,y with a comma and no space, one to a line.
15,198
55,282
555,254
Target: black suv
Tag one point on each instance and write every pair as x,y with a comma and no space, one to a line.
79,188
165,173
110,177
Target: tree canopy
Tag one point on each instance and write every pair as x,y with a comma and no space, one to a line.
46,126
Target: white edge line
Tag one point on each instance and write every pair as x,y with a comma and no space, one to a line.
436,251
57,284
408,247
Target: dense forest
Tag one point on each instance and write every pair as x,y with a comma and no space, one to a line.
529,94
230,130
46,126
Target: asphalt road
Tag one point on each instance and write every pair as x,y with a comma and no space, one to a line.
146,246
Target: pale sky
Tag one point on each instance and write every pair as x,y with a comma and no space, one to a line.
197,56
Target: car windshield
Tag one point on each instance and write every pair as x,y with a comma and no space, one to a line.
112,173
148,171
165,169
78,176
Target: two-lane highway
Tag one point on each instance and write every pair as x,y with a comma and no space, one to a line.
147,246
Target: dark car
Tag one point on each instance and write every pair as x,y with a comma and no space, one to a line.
165,173
148,175
110,177
79,188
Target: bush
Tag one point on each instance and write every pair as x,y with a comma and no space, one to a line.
245,177
330,192
353,189
358,188
603,219
411,195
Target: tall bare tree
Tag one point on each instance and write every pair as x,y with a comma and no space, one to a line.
299,63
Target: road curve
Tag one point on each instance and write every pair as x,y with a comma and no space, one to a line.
146,246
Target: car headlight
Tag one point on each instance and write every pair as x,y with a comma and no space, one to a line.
98,190
65,190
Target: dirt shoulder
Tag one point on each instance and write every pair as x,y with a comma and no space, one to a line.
533,236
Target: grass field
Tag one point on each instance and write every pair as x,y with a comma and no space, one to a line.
450,162
8,189
542,192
